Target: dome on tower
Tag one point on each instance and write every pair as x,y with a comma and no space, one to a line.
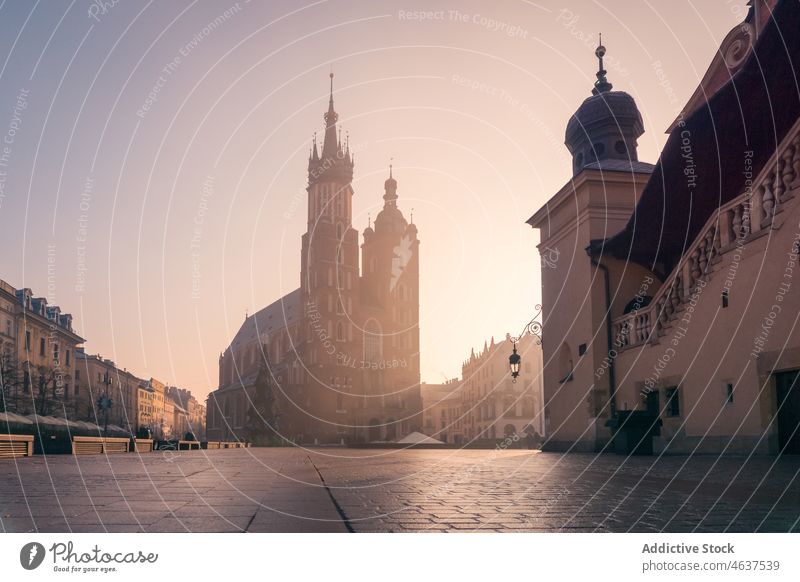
605,126
390,218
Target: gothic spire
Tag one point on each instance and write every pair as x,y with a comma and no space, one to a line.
330,144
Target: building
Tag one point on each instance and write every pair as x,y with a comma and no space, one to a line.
487,404
190,415
441,411
146,407
680,317
493,404
95,377
38,353
342,350
156,411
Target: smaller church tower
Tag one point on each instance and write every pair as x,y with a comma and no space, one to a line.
390,300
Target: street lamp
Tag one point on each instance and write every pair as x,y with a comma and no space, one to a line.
513,362
533,327
105,402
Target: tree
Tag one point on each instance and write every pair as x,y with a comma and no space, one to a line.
48,391
260,422
10,383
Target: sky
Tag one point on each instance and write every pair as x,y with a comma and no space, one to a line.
154,156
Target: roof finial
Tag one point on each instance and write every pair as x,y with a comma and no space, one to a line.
412,216
331,98
369,220
390,167
601,85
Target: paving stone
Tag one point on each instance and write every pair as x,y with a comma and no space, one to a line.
411,490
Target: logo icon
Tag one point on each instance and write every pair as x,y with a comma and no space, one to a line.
402,255
31,555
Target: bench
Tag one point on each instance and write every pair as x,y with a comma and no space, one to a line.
143,445
99,445
13,446
211,445
188,445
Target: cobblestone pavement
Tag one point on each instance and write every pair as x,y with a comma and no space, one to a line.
339,490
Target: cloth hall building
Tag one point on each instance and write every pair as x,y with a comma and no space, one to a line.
671,320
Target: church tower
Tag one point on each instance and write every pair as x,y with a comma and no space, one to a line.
329,273
390,300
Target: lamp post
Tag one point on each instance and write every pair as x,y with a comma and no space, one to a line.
534,328
105,402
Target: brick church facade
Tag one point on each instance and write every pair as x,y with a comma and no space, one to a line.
342,350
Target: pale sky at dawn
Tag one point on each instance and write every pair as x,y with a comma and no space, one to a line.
159,161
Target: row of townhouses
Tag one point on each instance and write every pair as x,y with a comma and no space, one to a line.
47,375
487,405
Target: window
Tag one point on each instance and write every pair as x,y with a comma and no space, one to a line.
27,340
55,352
725,299
339,231
729,393
565,364
339,403
68,357
339,331
581,349
41,346
673,407
77,376
8,327
621,147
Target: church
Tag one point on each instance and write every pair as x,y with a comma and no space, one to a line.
671,319
341,350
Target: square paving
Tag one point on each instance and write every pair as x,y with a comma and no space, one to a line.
369,490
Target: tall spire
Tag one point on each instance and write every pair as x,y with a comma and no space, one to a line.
330,145
601,85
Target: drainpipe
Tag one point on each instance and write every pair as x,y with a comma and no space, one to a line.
612,380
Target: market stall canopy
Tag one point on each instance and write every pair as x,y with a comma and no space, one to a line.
417,438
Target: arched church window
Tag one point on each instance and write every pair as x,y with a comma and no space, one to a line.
339,331
621,147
